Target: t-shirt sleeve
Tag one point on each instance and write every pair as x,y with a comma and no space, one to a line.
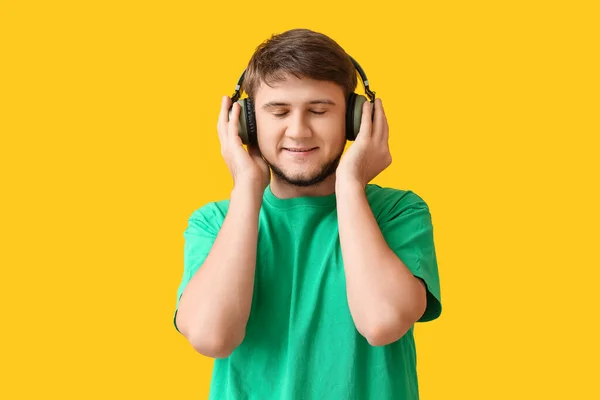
408,230
200,234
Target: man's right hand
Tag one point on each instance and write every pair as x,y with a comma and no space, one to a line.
247,168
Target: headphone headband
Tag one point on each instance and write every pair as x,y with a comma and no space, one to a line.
370,94
365,81
237,94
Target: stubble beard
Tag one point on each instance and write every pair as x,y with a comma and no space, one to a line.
323,173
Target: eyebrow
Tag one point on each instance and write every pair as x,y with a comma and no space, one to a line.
271,104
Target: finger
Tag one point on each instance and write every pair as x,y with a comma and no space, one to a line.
366,124
378,120
258,158
232,125
254,152
256,155
386,128
225,107
223,115
384,123
386,132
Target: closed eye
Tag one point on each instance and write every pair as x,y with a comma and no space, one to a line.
279,115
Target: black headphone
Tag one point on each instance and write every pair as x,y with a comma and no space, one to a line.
247,121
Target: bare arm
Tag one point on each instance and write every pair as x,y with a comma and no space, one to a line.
215,305
384,297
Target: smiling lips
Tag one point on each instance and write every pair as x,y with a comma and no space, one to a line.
300,150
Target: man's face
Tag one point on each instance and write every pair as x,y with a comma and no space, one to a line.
301,128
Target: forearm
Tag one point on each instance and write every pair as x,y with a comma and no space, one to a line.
384,297
215,306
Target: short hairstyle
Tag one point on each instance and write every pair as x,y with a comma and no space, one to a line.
302,53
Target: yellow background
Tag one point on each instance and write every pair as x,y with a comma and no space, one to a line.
108,143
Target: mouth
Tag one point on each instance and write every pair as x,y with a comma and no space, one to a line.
300,150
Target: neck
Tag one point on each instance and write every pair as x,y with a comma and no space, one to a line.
285,190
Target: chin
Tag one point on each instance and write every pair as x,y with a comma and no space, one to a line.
306,174
303,182
300,177
304,178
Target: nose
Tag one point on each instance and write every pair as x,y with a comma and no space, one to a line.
298,127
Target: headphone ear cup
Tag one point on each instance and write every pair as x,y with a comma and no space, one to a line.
246,122
242,121
350,116
354,115
250,122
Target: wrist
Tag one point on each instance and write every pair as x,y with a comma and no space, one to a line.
248,193
346,182
349,188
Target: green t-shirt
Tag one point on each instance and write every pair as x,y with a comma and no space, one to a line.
301,342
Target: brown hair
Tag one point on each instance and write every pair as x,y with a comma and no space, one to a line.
303,53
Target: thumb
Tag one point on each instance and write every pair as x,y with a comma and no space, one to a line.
254,152
257,157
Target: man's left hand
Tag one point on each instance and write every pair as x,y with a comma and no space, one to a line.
370,152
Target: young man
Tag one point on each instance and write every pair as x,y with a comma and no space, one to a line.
307,285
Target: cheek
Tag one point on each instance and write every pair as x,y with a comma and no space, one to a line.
335,128
265,130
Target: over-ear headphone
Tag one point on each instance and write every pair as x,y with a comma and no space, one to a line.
354,103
